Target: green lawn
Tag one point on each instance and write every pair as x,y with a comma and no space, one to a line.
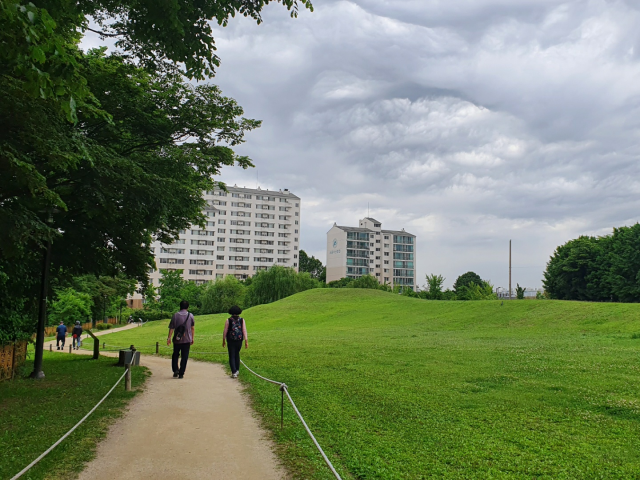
396,387
35,414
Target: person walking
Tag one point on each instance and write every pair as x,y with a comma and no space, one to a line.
182,326
77,333
235,330
61,334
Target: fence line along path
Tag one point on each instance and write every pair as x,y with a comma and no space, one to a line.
197,427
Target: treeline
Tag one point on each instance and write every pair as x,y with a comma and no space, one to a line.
599,269
265,286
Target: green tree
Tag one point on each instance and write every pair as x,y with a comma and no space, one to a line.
312,266
193,293
222,294
276,283
435,283
467,279
70,306
520,292
170,290
96,142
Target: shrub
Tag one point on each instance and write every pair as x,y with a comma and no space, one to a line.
222,294
276,283
365,281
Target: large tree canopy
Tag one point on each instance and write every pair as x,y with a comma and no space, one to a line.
597,268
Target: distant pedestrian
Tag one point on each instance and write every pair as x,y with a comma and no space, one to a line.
61,334
182,326
235,331
77,334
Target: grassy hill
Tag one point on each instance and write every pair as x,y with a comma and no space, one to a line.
396,387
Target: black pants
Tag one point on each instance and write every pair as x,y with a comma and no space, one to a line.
58,340
182,350
234,347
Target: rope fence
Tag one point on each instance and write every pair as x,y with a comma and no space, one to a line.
32,464
285,389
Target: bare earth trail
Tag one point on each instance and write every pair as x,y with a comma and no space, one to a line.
197,427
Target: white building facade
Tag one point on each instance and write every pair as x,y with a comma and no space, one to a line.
247,230
387,255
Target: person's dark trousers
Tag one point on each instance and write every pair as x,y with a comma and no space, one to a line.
234,347
182,350
58,340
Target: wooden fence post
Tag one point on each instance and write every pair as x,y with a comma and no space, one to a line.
127,377
157,348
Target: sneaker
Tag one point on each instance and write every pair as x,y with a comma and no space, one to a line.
180,376
175,374
235,375
58,348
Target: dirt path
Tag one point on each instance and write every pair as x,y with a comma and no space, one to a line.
197,427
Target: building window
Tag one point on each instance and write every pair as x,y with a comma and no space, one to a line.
220,239
386,237
296,214
386,254
219,267
219,275
386,262
386,245
220,257
296,222
222,221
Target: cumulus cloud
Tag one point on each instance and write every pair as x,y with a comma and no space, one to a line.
467,123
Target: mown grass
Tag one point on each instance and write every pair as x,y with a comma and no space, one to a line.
34,414
395,387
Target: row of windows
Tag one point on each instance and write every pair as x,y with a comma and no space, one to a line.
248,196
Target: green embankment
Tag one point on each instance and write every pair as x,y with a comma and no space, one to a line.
396,387
34,414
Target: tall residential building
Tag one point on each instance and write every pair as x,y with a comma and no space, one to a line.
247,230
388,255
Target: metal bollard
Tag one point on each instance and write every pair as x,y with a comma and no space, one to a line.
127,378
157,348
69,348
51,347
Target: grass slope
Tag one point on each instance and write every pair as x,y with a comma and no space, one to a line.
396,387
35,414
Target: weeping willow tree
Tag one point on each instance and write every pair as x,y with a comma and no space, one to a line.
276,283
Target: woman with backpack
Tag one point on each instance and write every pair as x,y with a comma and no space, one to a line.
235,331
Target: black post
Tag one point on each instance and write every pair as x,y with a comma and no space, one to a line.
42,314
157,348
104,309
96,348
282,387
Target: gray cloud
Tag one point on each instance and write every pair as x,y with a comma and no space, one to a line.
467,123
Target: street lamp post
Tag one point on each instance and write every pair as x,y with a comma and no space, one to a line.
42,309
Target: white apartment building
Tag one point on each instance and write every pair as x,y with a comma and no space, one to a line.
246,230
388,255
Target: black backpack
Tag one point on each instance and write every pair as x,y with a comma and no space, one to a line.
235,329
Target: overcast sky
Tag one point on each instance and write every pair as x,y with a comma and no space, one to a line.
468,123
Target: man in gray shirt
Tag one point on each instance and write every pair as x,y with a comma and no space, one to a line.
182,323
